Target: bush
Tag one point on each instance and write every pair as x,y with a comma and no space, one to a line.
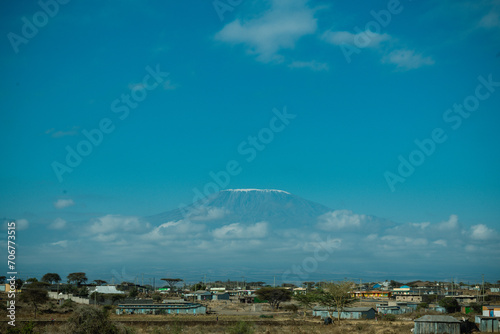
88,319
68,303
388,317
266,316
27,329
242,327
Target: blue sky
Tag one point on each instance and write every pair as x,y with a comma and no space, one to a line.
359,100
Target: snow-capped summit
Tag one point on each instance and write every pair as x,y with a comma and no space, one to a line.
262,190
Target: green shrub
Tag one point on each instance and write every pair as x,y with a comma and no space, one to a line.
242,327
388,317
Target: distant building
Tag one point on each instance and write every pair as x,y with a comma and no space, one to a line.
371,294
220,296
410,298
491,311
436,324
166,308
488,324
107,289
347,313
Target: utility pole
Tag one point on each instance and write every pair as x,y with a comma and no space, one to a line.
482,288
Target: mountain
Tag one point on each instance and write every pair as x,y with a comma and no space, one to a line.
277,207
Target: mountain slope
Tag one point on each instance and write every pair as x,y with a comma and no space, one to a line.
279,208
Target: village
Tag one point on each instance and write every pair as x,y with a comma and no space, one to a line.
421,307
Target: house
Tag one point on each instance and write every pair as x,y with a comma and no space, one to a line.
166,308
491,311
347,313
436,324
220,296
494,290
249,299
487,324
401,290
409,298
299,291
371,294
356,313
465,299
107,289
393,309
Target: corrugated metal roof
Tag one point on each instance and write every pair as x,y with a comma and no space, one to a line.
436,318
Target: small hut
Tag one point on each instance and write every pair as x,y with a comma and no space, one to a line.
436,324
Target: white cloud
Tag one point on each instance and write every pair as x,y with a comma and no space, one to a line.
364,39
340,219
63,203
117,223
450,224
490,20
441,242
312,65
22,224
482,232
59,133
62,243
240,231
407,59
58,224
204,214
278,28
173,229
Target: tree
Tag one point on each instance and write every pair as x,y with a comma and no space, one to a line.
308,285
3,279
51,278
35,294
99,282
156,297
274,296
450,304
199,286
337,296
133,292
259,283
32,280
87,319
393,284
77,278
172,282
307,300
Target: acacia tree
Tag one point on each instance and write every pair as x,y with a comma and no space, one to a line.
99,282
307,300
172,282
450,304
337,296
35,294
77,278
51,278
274,296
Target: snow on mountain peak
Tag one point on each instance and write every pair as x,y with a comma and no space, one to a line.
261,190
